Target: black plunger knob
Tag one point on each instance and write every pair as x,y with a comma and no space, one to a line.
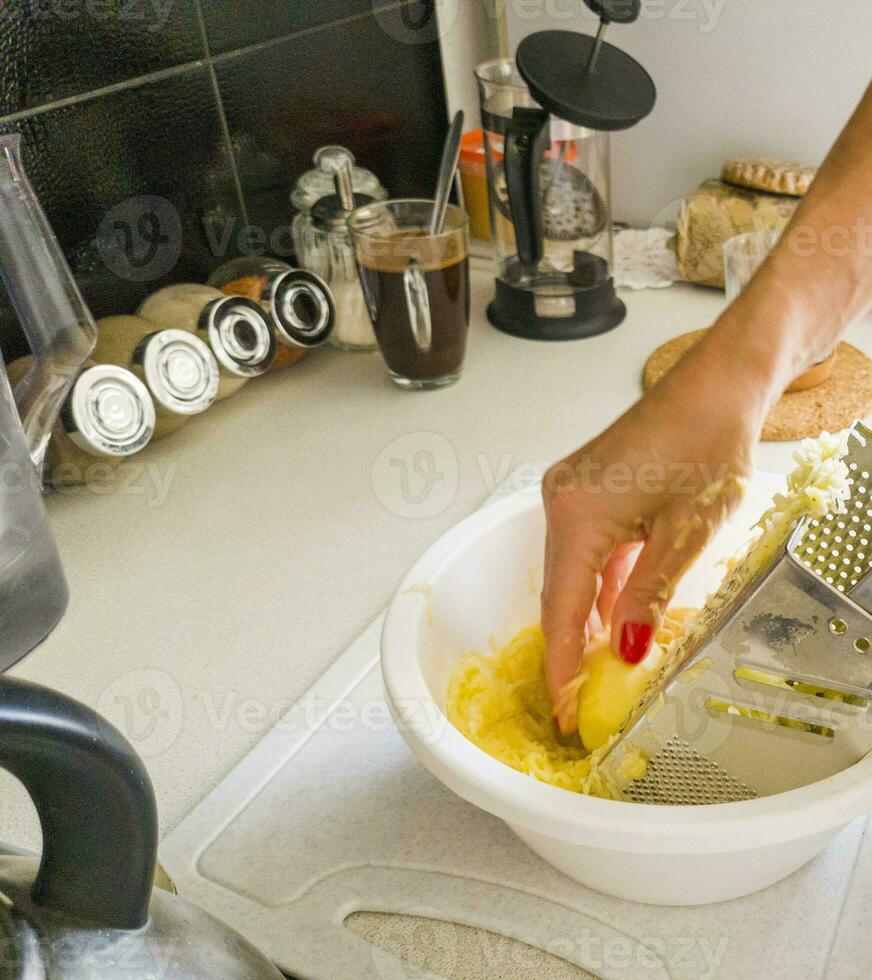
619,11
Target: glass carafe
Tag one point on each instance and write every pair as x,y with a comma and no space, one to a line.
549,193
61,333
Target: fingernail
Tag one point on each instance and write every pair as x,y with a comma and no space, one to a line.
635,640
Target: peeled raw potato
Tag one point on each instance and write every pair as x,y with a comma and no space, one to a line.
610,690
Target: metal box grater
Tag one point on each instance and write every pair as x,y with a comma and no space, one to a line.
776,692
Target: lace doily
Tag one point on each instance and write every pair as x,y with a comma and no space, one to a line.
643,259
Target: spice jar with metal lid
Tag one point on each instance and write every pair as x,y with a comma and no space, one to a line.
178,369
299,302
235,328
324,247
107,417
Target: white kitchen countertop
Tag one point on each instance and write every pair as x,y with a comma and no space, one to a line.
240,557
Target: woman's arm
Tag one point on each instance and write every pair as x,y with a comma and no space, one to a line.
630,511
819,277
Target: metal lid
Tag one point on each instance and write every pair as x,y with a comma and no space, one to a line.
303,309
109,412
180,371
585,80
318,183
330,214
240,336
333,158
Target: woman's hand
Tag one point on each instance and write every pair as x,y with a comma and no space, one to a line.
630,511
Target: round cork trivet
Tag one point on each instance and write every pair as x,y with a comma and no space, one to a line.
829,407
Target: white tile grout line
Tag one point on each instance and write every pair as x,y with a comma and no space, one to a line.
97,93
275,41
222,115
157,76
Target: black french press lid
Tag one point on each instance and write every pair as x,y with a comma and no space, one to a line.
585,80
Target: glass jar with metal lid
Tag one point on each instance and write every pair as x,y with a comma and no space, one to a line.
318,183
324,247
107,417
236,329
178,369
299,302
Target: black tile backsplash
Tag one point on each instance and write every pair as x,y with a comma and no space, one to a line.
54,49
193,138
159,138
246,22
281,106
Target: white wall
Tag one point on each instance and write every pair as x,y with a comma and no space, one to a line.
470,33
734,77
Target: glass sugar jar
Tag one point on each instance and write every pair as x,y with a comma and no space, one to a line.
323,241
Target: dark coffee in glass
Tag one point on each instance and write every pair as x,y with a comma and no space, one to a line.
416,287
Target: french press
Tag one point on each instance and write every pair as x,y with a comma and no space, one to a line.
547,118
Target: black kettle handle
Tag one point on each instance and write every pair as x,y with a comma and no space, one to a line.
527,139
95,804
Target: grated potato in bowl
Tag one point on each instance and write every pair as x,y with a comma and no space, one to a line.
499,700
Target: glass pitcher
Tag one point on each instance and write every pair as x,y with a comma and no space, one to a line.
549,193
61,333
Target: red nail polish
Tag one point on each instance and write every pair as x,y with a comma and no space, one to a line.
635,640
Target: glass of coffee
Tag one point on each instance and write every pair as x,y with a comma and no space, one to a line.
416,287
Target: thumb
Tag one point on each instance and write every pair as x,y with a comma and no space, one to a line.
671,548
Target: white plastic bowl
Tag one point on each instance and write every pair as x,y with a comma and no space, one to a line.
480,576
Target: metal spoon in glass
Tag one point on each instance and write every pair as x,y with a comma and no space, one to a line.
447,170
